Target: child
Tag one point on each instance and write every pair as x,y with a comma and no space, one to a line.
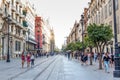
32,60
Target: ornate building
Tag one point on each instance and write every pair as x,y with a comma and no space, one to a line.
101,12
12,32
52,42
75,34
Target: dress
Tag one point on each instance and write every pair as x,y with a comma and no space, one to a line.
28,58
23,58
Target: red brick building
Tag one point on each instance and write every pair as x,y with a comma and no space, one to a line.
38,32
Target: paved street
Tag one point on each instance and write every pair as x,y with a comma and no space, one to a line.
52,68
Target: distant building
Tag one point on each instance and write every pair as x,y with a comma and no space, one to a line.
52,41
38,33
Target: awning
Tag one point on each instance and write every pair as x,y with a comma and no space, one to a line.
33,42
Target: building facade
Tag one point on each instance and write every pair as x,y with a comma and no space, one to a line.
101,12
14,30
46,28
52,42
38,33
30,35
75,34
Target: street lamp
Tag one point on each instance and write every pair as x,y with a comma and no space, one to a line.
3,46
38,42
28,38
8,55
82,23
116,73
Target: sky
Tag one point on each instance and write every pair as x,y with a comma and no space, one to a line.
62,15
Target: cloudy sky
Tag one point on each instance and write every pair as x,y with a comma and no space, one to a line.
62,15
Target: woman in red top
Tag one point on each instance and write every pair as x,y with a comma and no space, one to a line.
23,59
28,60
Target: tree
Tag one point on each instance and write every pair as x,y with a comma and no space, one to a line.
90,44
100,35
71,46
75,46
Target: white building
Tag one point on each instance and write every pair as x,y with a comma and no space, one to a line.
46,36
16,28
30,17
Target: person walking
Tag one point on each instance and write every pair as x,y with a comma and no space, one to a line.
69,55
95,57
28,60
23,59
32,60
106,60
112,59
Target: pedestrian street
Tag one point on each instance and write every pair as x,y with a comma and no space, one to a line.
53,68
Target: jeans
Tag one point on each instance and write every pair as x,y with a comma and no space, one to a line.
106,64
32,62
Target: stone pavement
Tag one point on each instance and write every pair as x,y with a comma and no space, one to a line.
8,70
73,70
53,68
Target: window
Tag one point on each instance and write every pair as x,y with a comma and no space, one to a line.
17,45
117,24
110,23
98,17
116,4
19,32
12,15
12,2
110,7
105,11
12,28
102,16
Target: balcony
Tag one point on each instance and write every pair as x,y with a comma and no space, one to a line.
1,11
13,8
24,12
21,5
19,24
22,16
25,24
4,16
13,21
17,12
18,1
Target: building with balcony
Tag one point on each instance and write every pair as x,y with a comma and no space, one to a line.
52,42
75,33
46,29
16,29
29,22
38,34
101,12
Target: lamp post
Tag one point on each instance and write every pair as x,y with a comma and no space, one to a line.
8,55
28,38
38,44
11,46
82,23
3,46
116,73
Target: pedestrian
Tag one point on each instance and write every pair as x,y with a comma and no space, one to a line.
69,55
95,57
106,60
82,58
112,59
28,59
32,60
23,59
86,58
